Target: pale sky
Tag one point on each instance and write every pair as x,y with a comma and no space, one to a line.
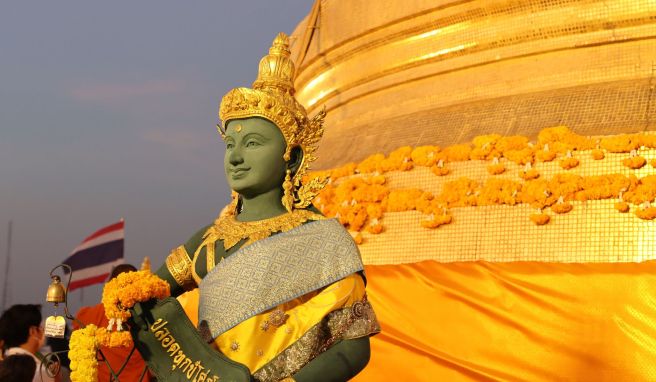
107,111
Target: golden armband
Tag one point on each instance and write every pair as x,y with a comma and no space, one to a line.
179,265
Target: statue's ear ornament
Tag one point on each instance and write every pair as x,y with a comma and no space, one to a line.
272,98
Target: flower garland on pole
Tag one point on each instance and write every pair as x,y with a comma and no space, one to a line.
119,295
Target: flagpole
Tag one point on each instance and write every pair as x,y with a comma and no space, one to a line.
7,264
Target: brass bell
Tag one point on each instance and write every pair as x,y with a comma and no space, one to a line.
56,292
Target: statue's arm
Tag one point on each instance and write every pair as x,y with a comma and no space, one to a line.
341,362
177,268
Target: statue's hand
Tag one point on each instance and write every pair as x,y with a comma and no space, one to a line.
141,313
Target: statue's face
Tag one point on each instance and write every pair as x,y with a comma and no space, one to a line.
253,160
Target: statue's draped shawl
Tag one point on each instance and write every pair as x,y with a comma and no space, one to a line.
275,270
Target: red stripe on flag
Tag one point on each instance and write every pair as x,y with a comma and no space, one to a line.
86,282
102,231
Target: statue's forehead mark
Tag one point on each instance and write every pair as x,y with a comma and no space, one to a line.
238,128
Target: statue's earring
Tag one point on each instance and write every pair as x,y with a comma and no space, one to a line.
288,192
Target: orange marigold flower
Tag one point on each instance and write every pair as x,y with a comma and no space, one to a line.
439,170
496,169
374,227
457,153
434,221
545,155
622,206
621,143
540,219
520,157
648,213
530,174
634,162
562,208
598,154
653,163
568,163
425,155
358,238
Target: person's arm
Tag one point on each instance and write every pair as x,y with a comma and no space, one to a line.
339,363
177,269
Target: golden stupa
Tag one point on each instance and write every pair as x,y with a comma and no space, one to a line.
413,73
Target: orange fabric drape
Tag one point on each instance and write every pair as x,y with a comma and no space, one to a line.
524,321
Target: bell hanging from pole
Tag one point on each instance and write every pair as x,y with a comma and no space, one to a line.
56,292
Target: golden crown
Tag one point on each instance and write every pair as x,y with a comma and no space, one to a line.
272,98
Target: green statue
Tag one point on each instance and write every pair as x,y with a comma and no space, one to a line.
275,290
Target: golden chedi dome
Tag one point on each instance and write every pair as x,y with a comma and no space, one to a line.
485,130
394,73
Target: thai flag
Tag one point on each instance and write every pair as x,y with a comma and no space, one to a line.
93,260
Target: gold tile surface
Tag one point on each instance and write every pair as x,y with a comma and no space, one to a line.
392,73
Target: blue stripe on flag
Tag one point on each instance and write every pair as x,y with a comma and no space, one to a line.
97,255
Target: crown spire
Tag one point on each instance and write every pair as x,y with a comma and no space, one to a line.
276,71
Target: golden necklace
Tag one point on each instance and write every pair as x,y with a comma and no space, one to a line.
231,231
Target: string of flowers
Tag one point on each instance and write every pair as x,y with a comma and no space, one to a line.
551,142
361,197
128,288
83,346
119,294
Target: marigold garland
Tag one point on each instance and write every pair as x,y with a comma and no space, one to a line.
125,290
360,201
83,346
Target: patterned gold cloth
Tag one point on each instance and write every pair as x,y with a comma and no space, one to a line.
272,271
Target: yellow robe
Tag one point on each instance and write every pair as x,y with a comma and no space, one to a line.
254,342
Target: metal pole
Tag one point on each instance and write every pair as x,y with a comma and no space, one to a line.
7,264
